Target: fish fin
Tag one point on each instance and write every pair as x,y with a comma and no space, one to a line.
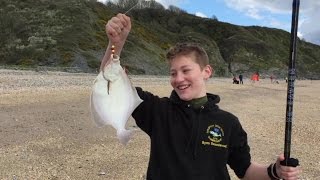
124,136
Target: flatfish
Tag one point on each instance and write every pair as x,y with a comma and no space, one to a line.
113,99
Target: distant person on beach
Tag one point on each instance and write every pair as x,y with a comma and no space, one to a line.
271,78
235,80
191,137
255,77
241,79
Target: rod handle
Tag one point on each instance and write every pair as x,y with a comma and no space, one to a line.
292,162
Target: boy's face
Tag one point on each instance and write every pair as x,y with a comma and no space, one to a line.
187,78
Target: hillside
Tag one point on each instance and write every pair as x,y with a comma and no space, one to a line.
70,34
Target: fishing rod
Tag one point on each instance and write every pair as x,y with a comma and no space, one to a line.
290,89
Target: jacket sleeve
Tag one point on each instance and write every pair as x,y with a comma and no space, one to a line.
146,112
239,153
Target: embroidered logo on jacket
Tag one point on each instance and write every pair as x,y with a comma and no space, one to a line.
215,135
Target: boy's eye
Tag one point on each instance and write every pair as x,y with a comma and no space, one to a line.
173,73
186,70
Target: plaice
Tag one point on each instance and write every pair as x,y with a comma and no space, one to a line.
113,99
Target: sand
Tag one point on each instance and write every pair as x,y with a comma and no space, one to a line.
46,131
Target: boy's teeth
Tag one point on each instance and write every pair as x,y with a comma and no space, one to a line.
183,87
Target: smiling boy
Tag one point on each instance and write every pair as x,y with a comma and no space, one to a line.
191,137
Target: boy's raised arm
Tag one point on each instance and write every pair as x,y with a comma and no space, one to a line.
117,29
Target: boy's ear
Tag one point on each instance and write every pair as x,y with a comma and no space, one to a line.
208,72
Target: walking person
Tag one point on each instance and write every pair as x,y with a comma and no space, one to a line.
241,78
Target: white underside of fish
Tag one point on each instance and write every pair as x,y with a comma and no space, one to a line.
113,99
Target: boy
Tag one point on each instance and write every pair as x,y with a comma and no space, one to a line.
191,138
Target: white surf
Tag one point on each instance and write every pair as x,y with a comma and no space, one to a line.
113,99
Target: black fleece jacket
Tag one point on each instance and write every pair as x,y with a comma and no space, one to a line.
189,143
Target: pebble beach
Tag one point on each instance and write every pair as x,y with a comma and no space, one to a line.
46,130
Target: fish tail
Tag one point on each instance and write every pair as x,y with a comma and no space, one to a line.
124,136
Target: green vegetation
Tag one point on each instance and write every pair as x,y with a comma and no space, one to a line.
72,34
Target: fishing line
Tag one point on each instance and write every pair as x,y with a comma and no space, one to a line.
138,2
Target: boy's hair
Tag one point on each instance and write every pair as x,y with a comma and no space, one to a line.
185,49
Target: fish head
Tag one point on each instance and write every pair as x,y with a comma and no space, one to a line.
113,70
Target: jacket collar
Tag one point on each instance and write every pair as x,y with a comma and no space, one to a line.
213,100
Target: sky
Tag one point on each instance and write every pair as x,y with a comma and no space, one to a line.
266,13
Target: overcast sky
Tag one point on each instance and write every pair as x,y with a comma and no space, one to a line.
268,13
